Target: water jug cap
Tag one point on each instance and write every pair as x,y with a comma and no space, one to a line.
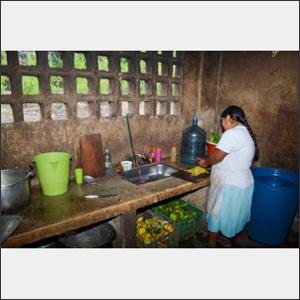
195,120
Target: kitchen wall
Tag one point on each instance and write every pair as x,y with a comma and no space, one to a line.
20,141
265,87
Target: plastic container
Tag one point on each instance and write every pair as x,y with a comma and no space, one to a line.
108,167
193,143
186,228
211,147
169,240
151,156
173,153
126,165
274,205
157,154
53,171
78,175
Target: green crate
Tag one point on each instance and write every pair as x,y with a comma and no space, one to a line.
186,228
169,240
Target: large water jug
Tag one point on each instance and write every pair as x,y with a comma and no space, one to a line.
193,143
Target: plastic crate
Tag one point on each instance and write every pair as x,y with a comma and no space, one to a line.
169,240
186,228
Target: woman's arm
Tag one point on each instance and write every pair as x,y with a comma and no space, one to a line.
212,159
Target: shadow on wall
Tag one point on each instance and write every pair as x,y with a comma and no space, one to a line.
207,121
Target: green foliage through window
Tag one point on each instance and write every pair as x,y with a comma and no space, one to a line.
143,66
124,87
30,85
161,89
5,85
142,87
56,85
79,61
124,65
3,58
103,63
158,89
174,54
104,86
82,86
27,58
174,71
55,60
159,69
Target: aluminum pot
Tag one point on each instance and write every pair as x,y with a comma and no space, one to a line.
15,189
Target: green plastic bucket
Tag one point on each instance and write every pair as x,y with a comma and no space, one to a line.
53,171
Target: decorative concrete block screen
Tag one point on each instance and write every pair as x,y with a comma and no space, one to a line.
62,85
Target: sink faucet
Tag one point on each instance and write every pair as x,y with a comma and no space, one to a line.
142,180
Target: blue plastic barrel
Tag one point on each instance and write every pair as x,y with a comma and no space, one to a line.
274,205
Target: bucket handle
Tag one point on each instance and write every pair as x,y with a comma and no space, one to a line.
30,174
31,171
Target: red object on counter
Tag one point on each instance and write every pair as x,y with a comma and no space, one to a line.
211,147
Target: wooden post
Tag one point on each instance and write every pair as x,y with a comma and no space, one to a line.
127,229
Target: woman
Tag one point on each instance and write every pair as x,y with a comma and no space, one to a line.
231,189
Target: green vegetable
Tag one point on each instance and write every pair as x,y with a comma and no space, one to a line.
177,211
214,138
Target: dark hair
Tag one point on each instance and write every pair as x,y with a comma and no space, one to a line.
237,114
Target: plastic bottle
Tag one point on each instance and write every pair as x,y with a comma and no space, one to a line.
107,160
173,153
151,157
157,154
193,143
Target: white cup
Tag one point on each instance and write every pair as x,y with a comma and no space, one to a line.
126,165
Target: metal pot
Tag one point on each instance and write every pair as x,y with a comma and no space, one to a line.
15,190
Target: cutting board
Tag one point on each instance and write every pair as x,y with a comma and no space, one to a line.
91,155
188,176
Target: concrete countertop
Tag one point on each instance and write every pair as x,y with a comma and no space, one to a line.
50,216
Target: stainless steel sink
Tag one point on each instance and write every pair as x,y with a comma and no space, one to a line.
149,173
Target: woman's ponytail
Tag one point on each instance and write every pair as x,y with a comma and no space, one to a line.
246,124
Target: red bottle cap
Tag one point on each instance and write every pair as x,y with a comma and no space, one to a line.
158,149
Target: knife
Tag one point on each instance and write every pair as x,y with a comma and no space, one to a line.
95,196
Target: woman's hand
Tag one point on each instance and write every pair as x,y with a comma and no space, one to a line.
202,162
212,159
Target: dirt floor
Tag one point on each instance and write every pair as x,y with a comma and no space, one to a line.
198,241
240,241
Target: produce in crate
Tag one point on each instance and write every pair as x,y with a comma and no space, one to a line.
177,211
195,171
183,216
149,230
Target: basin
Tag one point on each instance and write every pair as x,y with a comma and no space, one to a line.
149,173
